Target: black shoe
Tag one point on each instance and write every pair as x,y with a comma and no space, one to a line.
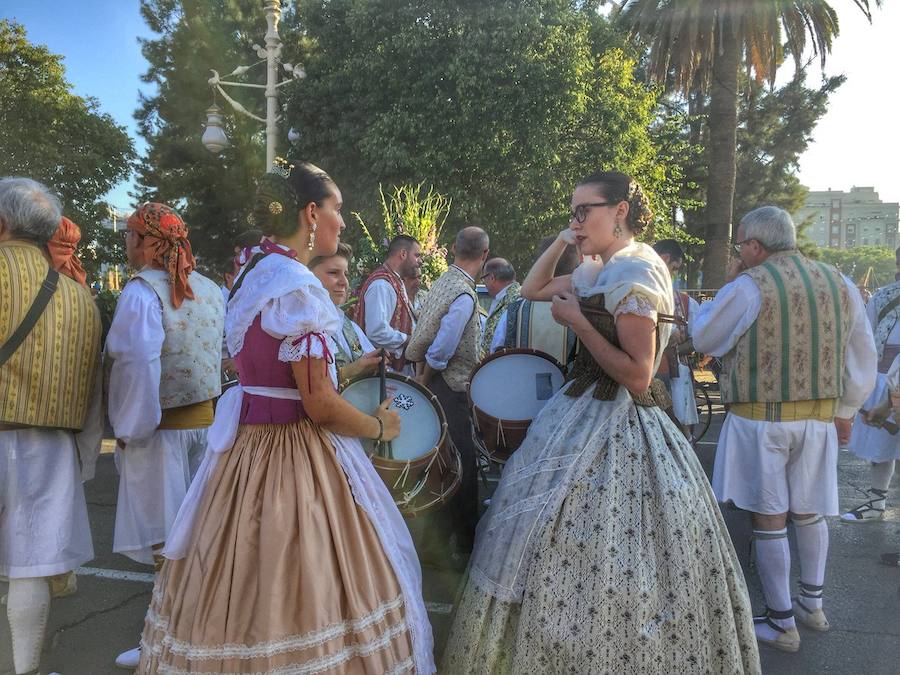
891,559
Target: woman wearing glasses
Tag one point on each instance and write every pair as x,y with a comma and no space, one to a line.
603,549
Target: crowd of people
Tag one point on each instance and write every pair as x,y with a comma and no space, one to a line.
278,548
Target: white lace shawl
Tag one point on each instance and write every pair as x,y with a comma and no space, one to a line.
291,301
567,434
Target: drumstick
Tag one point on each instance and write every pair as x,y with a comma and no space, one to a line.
384,447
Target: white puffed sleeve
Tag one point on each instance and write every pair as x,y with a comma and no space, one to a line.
305,321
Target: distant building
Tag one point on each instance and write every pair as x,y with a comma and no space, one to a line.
846,219
114,276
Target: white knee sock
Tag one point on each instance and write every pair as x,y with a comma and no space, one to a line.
27,608
812,546
882,472
773,560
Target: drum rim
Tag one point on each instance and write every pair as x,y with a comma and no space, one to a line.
507,352
408,512
425,391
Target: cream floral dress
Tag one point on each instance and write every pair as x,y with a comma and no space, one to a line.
603,550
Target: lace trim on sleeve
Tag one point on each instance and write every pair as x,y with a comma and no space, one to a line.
637,305
308,345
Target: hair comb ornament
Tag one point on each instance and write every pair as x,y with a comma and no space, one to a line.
282,167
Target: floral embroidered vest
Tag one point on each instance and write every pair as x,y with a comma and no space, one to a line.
452,284
192,349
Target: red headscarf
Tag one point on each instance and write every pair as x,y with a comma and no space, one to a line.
63,255
166,246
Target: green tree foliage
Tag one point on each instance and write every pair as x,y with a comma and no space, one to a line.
702,47
775,128
63,140
213,193
855,263
502,106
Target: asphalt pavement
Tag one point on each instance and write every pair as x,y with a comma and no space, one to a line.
105,616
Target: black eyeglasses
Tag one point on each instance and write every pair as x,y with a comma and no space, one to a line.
579,213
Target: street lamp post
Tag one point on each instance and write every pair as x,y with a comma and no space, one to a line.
214,138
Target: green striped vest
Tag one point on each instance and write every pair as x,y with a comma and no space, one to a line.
794,351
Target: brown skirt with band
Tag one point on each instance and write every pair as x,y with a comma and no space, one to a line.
284,574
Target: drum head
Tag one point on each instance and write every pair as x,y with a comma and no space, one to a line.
420,424
515,386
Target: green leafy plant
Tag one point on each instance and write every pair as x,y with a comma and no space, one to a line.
408,210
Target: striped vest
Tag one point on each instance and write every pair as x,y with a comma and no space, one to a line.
452,284
49,379
794,351
342,358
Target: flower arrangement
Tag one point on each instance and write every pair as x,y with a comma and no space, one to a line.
408,210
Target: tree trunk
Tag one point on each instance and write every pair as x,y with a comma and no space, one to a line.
723,104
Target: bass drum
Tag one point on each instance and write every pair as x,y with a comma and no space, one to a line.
420,467
506,392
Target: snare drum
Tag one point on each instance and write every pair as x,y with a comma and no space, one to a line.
506,392
418,466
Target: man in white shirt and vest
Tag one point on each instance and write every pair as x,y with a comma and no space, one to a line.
799,360
500,280
49,392
163,355
445,346
869,441
530,324
384,311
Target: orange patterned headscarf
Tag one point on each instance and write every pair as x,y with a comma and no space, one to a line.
166,246
63,253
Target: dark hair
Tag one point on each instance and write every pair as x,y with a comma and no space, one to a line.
567,262
471,243
402,242
227,266
501,269
282,194
619,187
343,251
248,238
670,246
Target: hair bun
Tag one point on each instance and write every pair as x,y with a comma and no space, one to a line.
640,216
275,206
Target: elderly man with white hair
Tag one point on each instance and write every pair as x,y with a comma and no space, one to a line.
799,360
49,391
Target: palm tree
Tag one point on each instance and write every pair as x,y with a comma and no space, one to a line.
703,44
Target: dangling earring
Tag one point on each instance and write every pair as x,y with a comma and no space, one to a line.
617,230
312,236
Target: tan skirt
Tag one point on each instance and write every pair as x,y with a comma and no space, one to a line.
284,574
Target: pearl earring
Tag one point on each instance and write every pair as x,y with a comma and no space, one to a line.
312,236
617,231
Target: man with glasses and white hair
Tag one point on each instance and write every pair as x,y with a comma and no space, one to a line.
500,280
49,357
799,360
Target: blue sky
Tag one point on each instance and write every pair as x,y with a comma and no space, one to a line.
856,143
99,42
